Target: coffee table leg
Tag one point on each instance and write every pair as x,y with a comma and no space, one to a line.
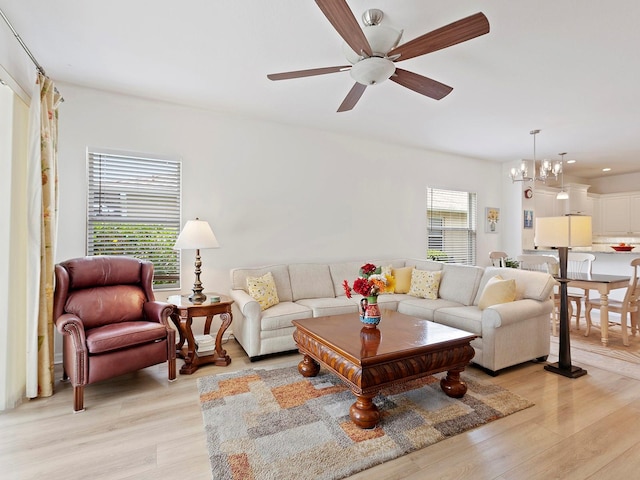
452,385
308,367
364,412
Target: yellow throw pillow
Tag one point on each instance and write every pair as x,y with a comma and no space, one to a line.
263,290
425,283
403,279
497,290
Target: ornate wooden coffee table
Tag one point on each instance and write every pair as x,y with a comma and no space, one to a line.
368,359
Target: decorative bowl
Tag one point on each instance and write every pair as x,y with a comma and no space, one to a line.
622,248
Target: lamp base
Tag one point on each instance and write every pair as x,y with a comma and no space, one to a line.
571,372
197,297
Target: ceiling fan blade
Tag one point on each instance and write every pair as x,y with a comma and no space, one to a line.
423,85
352,97
342,19
307,73
452,34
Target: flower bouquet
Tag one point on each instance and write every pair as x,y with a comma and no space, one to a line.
370,283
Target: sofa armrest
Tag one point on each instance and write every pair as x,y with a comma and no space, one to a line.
249,307
513,312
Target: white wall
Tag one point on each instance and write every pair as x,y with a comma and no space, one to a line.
272,193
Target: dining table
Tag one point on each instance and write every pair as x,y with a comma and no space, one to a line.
604,284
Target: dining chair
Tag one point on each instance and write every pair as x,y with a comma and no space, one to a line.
578,263
548,264
627,308
498,259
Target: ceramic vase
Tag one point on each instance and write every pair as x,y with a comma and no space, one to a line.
369,311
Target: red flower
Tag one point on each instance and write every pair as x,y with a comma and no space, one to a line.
362,286
368,268
347,289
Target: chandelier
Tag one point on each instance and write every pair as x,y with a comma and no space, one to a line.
541,173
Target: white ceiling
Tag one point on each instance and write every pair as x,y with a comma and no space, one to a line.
568,67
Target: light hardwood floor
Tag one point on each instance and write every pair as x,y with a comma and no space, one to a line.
140,427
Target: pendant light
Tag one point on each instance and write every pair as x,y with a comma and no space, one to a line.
562,195
538,173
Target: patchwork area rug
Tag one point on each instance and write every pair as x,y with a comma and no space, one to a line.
276,424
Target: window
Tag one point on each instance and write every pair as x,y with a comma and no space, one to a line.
451,226
133,209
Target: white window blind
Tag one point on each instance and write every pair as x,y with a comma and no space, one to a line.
133,209
451,226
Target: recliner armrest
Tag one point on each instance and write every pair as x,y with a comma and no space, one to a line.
69,324
156,311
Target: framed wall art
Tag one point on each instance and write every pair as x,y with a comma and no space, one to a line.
528,219
492,218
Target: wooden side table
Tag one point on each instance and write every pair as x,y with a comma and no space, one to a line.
182,317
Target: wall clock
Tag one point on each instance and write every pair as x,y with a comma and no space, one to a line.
528,193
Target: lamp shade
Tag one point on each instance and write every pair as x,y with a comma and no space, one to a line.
195,235
567,231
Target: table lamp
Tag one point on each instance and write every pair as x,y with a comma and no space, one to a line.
195,235
563,233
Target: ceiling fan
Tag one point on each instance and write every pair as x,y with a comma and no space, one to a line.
373,51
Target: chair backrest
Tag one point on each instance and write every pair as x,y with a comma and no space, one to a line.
632,297
538,263
103,289
498,259
578,262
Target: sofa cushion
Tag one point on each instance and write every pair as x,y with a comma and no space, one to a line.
459,283
497,290
280,276
429,265
323,307
311,280
422,307
280,316
263,290
424,284
467,318
343,271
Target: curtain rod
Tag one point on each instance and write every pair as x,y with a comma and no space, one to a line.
22,44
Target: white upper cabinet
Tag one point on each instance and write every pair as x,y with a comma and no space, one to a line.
578,202
620,213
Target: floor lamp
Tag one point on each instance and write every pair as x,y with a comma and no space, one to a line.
563,233
195,235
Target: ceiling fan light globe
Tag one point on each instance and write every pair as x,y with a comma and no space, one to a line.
373,70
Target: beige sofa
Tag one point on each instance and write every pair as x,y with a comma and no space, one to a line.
508,333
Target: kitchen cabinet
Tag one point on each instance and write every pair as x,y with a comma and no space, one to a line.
578,202
634,213
620,213
596,214
545,203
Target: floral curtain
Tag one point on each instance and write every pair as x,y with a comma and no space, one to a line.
43,208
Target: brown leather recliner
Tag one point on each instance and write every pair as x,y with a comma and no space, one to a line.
111,324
